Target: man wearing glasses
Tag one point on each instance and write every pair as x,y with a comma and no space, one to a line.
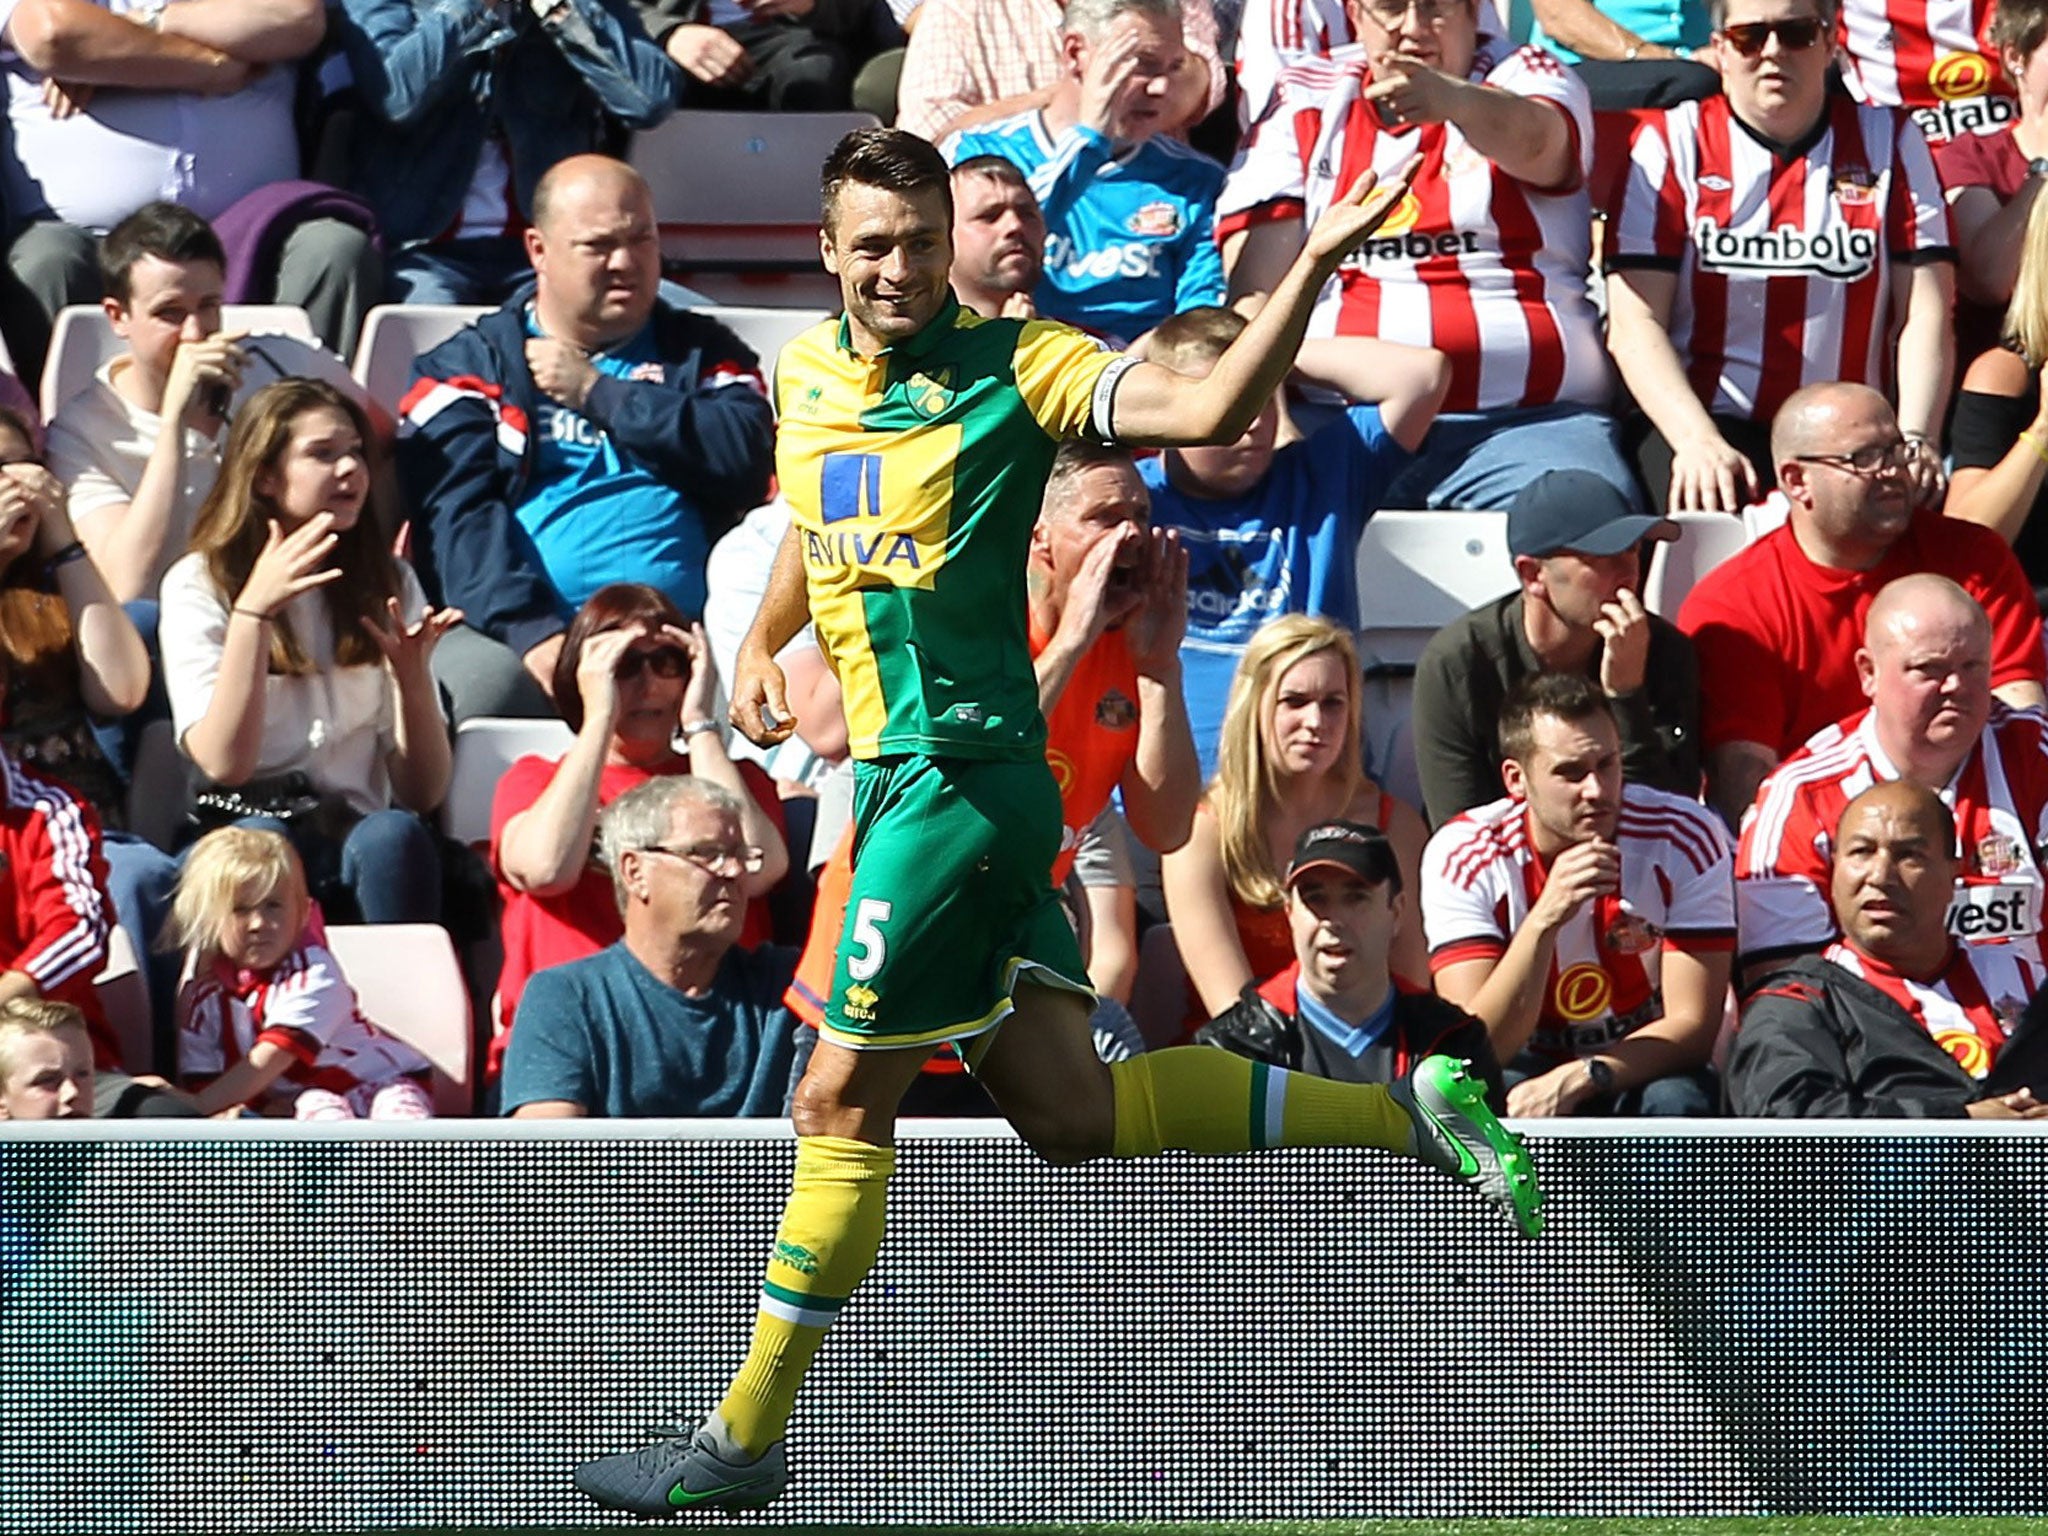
675,1019
1776,627
1773,236
1486,257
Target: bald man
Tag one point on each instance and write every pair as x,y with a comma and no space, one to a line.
1925,669
585,433
1896,1019
1776,626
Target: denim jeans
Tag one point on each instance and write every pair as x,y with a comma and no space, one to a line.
1479,460
384,869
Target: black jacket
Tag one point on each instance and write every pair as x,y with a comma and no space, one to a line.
1262,1025
1817,1042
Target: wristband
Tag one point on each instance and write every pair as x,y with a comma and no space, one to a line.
2035,443
252,613
699,727
70,554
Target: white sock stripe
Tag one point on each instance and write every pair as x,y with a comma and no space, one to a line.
803,1317
1274,1121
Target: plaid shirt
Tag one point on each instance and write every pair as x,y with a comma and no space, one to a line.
967,53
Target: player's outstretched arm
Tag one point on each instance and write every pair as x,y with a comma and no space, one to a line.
760,695
1159,408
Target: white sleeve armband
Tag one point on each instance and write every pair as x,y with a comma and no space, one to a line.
1101,412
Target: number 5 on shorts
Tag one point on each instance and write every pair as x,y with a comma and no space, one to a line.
872,949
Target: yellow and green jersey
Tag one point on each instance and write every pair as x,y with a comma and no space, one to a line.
914,478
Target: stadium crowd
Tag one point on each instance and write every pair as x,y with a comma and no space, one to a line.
1772,844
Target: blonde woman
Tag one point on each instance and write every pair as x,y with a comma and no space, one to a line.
2000,434
1289,758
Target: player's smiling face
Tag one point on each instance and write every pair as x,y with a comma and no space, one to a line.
891,252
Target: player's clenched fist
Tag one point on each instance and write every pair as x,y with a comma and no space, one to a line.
760,699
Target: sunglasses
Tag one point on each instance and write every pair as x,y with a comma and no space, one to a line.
666,661
1795,34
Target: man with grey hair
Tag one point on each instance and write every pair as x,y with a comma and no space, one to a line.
1128,212
674,1019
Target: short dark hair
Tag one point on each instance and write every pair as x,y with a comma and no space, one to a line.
893,159
1571,697
167,231
2021,25
995,168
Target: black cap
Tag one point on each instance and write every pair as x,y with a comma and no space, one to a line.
1577,510
1348,845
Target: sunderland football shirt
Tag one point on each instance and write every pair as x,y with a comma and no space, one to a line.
1970,1008
2000,799
913,479
1933,57
1488,269
1784,254
1481,874
1129,230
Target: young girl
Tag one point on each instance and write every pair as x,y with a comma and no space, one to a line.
296,652
266,1020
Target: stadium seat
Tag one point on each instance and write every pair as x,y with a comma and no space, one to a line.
409,985
124,996
484,749
766,329
1704,540
737,192
1417,571
82,339
395,334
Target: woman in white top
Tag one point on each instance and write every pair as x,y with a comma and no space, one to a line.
295,651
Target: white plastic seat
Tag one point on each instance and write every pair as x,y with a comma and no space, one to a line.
1705,539
738,191
124,997
484,749
409,984
394,335
1417,571
765,328
83,338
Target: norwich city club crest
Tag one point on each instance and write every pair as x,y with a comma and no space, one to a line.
930,394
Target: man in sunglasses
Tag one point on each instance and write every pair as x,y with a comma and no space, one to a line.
1775,627
675,1019
1484,260
1774,236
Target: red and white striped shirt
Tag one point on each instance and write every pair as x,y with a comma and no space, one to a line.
2000,800
1484,267
1933,57
1970,1008
1481,874
1784,265
1276,34
303,1004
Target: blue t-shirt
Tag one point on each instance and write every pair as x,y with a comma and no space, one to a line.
606,1033
1671,23
1130,236
1288,545
596,515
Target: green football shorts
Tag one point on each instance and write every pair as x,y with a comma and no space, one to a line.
951,906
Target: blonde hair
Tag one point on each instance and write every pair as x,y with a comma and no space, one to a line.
219,865
1248,784
2026,318
21,1017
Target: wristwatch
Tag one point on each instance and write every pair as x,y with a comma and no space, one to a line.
1599,1074
2038,166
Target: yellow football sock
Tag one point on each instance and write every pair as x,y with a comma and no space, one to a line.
1199,1099
830,1232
